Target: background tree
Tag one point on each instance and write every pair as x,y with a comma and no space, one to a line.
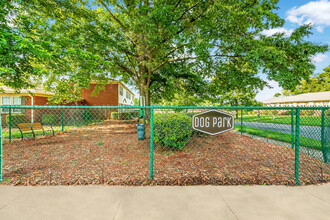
139,42
239,97
319,83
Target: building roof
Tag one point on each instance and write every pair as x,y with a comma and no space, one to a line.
306,97
36,91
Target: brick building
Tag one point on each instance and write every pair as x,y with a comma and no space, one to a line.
114,94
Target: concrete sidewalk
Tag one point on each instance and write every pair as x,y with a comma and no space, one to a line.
165,202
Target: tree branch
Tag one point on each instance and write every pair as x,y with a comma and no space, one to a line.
118,21
114,17
176,5
123,67
192,58
182,29
188,10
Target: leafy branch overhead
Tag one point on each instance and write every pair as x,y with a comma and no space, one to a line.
141,42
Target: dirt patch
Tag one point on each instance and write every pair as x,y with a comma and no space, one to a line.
110,153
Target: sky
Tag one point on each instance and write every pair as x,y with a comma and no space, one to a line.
296,13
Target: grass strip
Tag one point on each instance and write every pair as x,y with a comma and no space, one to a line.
283,119
303,141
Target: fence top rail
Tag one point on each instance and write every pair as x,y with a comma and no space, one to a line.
163,107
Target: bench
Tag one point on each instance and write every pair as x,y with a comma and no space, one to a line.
30,128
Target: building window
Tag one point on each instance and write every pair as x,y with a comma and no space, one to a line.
310,104
295,104
128,95
17,101
5,101
11,101
121,91
325,103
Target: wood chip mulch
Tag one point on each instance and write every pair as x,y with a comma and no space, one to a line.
110,153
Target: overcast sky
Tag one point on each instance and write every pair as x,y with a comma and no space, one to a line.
298,12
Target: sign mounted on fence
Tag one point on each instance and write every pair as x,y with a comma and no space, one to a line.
213,122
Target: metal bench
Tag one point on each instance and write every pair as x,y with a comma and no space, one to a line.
30,128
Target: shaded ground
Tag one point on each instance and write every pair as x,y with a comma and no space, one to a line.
109,153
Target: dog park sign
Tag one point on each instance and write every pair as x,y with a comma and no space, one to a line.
213,122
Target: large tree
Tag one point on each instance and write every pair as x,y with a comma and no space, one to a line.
142,41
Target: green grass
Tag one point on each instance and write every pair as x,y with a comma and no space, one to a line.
303,141
283,119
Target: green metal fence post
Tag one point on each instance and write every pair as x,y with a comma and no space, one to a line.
144,122
9,124
241,121
323,147
1,150
296,164
292,129
62,119
152,143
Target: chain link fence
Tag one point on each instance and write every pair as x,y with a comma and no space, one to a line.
75,145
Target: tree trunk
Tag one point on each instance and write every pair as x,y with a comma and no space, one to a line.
144,91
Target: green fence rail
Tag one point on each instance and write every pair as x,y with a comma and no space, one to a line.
99,145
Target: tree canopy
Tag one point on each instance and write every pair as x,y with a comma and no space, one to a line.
319,83
17,52
212,46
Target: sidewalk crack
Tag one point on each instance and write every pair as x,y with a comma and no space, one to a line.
232,211
4,206
116,211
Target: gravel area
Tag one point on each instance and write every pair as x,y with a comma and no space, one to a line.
110,153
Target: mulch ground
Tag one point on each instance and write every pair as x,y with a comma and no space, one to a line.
110,153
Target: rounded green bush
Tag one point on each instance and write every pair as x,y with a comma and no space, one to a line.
16,119
135,114
114,115
172,130
125,116
49,119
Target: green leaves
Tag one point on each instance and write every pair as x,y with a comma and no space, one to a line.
18,52
156,45
172,130
319,83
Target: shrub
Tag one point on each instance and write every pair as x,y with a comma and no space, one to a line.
88,115
135,114
327,112
49,119
125,116
172,130
191,114
114,115
307,112
16,119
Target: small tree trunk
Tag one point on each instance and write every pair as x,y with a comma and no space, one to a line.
144,91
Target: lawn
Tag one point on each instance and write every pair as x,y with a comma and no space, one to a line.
283,119
303,141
